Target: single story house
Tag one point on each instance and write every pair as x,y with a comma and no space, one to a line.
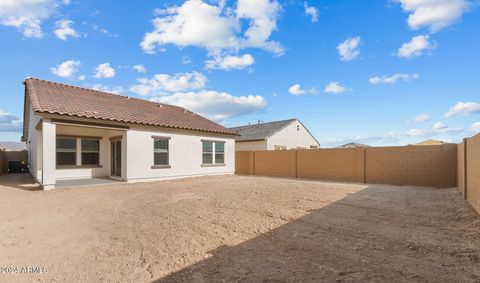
79,133
430,142
277,135
354,145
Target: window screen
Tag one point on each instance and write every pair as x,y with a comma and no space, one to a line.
90,152
66,151
207,152
219,152
160,152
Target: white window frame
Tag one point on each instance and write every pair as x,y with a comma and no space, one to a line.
213,153
158,166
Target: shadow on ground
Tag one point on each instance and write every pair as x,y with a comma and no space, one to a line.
22,181
377,234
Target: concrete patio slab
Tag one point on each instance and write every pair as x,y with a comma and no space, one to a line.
62,184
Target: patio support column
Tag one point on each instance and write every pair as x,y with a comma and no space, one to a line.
125,157
49,154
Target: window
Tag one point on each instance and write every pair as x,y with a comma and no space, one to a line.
213,153
66,151
280,147
160,151
90,152
207,152
219,152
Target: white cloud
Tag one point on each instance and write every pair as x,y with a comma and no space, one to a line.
335,88
160,84
67,69
348,50
415,47
297,90
139,68
434,14
475,127
63,30
312,12
103,30
385,138
10,122
186,59
230,62
215,27
422,118
27,15
440,130
418,133
104,88
216,105
104,71
439,126
393,78
463,108
400,138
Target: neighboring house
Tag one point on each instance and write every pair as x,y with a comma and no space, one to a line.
354,145
430,142
278,135
76,133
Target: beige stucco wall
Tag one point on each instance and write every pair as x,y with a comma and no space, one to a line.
250,145
34,146
291,137
185,155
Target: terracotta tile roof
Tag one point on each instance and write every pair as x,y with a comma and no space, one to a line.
55,98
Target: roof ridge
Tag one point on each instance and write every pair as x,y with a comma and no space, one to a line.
264,123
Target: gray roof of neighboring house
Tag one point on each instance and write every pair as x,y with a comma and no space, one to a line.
354,144
260,131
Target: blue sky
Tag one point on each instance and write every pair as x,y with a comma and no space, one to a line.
387,72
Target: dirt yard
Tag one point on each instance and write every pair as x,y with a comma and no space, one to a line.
238,229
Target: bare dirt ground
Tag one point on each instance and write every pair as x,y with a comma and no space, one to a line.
239,229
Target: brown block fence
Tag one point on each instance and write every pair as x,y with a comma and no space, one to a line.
432,166
7,156
469,170
1,160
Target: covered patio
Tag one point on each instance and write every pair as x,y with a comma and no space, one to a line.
24,181
87,182
78,153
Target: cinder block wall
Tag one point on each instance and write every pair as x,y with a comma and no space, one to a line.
13,156
332,164
461,167
280,163
473,172
430,166
1,161
244,162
